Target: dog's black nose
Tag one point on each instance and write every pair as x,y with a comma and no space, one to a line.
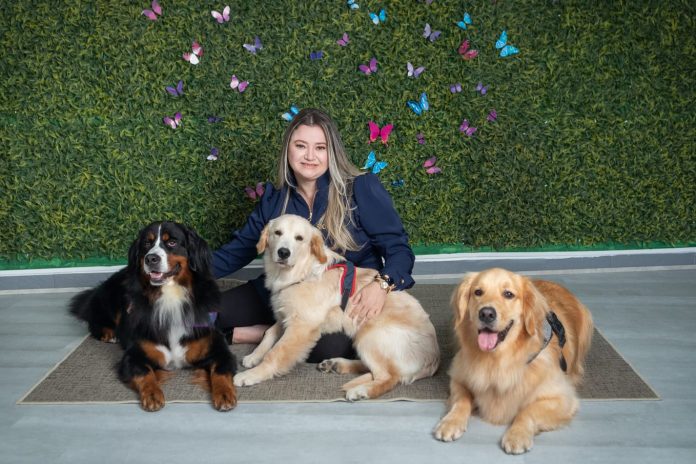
487,315
152,260
283,253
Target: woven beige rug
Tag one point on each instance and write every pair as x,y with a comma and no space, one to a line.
88,375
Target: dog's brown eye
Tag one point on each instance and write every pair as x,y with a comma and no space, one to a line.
478,292
508,294
278,233
171,243
298,238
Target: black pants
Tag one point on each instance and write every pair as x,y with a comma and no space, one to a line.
248,305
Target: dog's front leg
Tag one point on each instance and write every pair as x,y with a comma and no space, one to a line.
545,414
292,347
270,338
453,425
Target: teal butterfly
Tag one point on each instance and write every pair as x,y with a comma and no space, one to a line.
420,106
505,49
379,17
463,23
373,164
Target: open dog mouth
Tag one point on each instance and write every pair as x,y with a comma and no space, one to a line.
158,278
488,340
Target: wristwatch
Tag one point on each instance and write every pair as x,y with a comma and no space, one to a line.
385,282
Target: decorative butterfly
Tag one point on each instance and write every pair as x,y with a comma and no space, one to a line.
236,84
379,17
222,17
373,164
255,47
429,34
352,5
318,55
369,68
382,133
254,193
464,22
291,114
397,183
456,87
212,119
213,156
465,52
505,49
430,166
420,138
176,91
153,14
414,72
343,41
480,88
196,53
172,122
492,116
420,106
466,128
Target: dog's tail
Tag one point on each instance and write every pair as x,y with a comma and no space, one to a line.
81,305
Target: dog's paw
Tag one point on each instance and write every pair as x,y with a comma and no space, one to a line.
225,399
246,378
250,361
152,400
357,393
517,441
449,429
327,365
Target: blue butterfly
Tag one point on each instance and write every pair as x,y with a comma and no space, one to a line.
419,106
397,183
291,114
505,50
373,164
352,5
467,20
379,17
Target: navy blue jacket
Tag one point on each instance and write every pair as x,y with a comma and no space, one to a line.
377,228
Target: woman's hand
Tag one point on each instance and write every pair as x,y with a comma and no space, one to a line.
367,303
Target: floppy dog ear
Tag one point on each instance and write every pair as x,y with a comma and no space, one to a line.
263,240
317,247
460,298
200,257
134,256
534,307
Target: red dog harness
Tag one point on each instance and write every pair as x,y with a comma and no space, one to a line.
348,281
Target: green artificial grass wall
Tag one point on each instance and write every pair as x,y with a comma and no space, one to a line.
593,145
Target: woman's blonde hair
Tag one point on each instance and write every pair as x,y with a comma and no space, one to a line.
339,210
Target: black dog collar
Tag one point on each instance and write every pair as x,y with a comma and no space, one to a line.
552,325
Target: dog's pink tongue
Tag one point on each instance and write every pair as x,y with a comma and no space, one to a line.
487,340
156,275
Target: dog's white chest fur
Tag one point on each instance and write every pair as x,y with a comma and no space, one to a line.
169,311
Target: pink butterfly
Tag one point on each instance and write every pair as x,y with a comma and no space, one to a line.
153,14
343,41
430,166
236,84
412,71
196,53
254,193
172,122
465,52
369,68
466,128
492,116
382,133
222,17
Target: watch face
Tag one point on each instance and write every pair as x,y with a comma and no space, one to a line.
383,284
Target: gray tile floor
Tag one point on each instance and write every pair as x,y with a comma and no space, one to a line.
649,316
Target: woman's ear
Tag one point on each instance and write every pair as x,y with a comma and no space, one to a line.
263,240
317,247
460,298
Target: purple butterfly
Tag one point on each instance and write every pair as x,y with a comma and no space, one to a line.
212,119
369,68
172,122
254,193
480,88
255,47
456,88
343,41
420,138
414,72
429,34
467,129
238,85
213,156
176,91
153,14
430,166
316,55
492,116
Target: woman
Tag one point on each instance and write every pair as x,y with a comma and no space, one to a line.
355,213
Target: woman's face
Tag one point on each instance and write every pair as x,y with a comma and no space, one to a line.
308,153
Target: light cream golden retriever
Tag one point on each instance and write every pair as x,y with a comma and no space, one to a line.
510,365
397,346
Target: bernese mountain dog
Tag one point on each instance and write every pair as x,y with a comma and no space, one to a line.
159,309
